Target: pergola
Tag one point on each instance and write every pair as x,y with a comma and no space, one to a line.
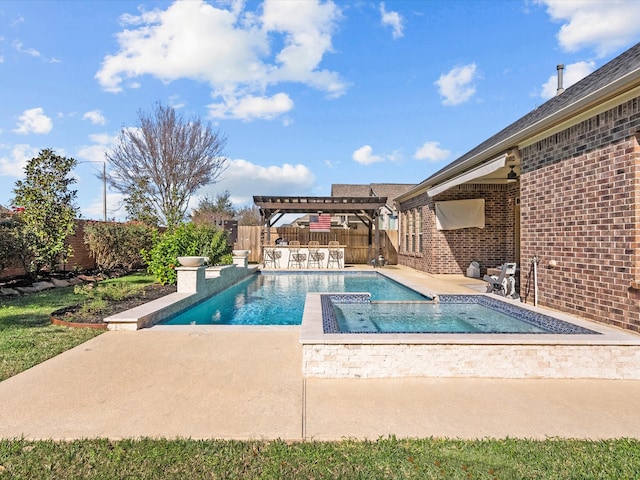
366,209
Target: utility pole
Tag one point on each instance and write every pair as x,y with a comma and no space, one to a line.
104,190
104,185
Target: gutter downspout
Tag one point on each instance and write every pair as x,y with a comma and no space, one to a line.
635,255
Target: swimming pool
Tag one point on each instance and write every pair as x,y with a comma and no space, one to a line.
451,314
277,298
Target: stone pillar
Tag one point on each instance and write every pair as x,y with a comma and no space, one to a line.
241,258
191,279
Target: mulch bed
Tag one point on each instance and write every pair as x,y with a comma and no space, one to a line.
72,316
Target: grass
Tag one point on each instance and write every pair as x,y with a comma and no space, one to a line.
26,334
388,458
27,338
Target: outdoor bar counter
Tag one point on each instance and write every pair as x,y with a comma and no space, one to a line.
284,256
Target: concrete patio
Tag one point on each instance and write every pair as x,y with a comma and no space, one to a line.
246,383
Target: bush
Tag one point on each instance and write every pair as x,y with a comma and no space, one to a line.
8,244
118,245
186,240
14,245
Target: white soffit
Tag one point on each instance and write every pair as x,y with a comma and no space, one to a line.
481,171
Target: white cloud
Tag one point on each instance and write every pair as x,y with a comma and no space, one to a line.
250,107
34,121
115,207
431,151
572,73
393,20
13,165
605,25
244,179
17,21
230,49
456,86
364,156
95,117
27,51
95,152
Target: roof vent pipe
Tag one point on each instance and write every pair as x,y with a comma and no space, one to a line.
560,88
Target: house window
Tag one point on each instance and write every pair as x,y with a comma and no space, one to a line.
413,229
405,228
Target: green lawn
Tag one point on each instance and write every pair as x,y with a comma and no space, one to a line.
27,338
26,334
388,458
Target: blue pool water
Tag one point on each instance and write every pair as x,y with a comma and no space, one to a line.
427,318
278,298
358,313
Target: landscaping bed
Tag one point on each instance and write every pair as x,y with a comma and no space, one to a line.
80,315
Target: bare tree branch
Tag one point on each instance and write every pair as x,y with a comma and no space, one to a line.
166,159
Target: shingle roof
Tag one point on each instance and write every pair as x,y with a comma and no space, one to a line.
389,190
350,190
626,64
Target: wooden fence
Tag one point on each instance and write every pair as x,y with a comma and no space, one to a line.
357,249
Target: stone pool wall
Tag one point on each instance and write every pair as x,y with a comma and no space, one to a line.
497,361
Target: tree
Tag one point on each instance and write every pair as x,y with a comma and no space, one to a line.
140,209
47,207
210,210
166,159
248,216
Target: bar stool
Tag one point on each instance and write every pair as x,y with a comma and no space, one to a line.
296,258
272,257
316,257
335,254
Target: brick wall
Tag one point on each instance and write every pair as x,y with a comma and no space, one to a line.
451,251
580,207
80,258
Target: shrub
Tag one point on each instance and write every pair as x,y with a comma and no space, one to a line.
14,245
8,244
118,245
186,240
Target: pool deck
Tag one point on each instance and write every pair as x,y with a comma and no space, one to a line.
247,383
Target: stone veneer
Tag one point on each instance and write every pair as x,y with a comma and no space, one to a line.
497,361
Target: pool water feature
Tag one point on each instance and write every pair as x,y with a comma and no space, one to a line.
278,298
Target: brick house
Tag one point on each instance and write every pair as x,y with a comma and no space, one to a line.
572,200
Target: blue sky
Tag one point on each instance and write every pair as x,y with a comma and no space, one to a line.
308,93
